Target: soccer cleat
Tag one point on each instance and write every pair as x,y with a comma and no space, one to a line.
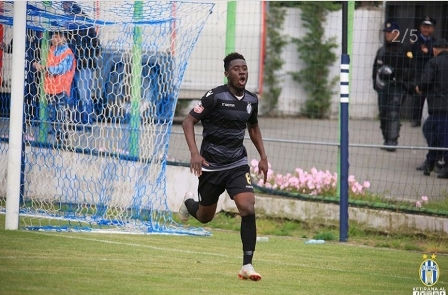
183,211
247,272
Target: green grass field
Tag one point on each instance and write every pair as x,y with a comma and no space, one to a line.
90,263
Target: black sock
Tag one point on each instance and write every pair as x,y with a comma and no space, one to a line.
248,237
192,207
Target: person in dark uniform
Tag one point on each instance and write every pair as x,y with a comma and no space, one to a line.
434,85
391,74
422,52
222,164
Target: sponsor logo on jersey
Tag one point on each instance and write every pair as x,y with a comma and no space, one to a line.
228,105
249,108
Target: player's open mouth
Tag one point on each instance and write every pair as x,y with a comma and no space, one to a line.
242,80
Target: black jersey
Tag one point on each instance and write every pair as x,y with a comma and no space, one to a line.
224,119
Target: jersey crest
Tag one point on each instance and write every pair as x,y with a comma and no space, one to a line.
249,108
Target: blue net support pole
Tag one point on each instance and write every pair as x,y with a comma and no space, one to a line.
344,136
344,101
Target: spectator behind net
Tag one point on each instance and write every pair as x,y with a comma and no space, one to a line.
84,42
59,71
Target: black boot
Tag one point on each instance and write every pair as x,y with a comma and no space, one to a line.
389,146
443,173
392,131
440,166
428,166
421,167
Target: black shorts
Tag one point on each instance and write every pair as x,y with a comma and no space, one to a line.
213,184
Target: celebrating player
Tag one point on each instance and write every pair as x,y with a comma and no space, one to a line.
226,111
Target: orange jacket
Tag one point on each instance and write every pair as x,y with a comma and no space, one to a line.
54,84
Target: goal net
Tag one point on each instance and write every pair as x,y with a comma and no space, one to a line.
96,158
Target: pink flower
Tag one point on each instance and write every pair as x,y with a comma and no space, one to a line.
311,185
425,199
314,182
328,178
418,204
366,184
299,171
293,181
351,179
254,163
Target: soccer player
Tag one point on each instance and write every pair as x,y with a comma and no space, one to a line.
225,112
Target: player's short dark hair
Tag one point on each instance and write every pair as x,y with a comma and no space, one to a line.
230,57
